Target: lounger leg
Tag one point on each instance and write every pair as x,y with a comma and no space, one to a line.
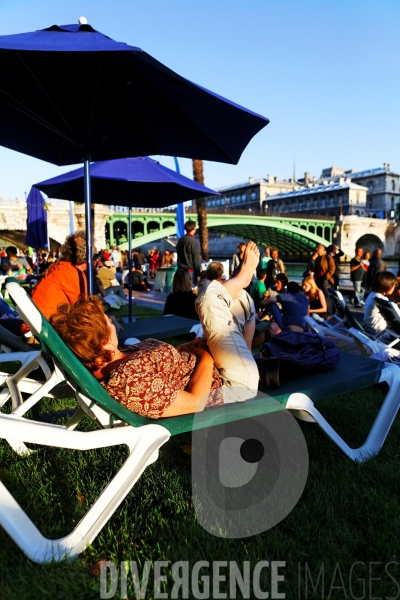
28,360
300,403
143,443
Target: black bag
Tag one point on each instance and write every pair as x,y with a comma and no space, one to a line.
293,351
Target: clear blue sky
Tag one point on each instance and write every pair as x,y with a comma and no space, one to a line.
324,72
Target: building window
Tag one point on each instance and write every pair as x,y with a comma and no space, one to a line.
393,185
331,201
370,186
358,198
212,202
253,195
392,203
244,197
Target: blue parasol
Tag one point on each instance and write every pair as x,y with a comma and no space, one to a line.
127,182
86,97
36,222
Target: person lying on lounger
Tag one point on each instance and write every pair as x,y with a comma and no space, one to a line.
155,379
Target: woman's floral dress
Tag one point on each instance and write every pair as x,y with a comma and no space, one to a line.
149,381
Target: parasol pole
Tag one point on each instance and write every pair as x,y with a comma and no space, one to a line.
88,222
130,262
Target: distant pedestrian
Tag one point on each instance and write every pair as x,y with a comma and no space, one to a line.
357,277
336,254
237,259
167,259
265,258
274,267
258,290
310,269
188,252
376,265
325,273
139,259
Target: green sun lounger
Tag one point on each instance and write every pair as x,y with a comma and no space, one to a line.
144,436
159,328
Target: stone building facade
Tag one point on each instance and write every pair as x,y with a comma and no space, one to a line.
382,187
327,198
250,195
383,190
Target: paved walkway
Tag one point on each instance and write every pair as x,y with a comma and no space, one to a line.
150,299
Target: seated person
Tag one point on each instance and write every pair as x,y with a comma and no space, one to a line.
181,301
16,265
316,298
139,281
64,280
383,284
295,307
280,287
258,289
106,274
155,379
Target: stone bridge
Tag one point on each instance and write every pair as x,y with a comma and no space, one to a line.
13,222
293,235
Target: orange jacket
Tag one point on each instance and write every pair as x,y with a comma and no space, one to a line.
63,283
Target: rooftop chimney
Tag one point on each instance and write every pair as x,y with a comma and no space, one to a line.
307,178
271,179
251,179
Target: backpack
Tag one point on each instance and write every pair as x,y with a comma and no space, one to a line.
298,351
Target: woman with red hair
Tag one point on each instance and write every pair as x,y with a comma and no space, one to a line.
155,379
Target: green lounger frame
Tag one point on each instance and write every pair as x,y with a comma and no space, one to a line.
143,436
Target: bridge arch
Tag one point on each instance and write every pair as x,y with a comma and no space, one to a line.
369,242
153,226
120,230
167,224
137,228
292,236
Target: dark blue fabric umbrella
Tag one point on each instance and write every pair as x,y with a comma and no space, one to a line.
36,222
70,94
81,93
128,182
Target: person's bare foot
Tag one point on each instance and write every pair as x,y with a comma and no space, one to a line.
251,258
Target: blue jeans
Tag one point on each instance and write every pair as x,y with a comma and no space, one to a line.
358,291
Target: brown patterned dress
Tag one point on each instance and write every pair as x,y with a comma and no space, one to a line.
149,380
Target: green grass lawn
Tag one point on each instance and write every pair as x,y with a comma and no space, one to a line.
348,512
139,312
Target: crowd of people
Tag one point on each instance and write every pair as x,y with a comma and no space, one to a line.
157,380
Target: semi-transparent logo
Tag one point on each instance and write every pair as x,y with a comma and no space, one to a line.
247,474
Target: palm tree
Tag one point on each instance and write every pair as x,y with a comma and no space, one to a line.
198,176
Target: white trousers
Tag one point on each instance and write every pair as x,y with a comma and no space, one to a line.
223,321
